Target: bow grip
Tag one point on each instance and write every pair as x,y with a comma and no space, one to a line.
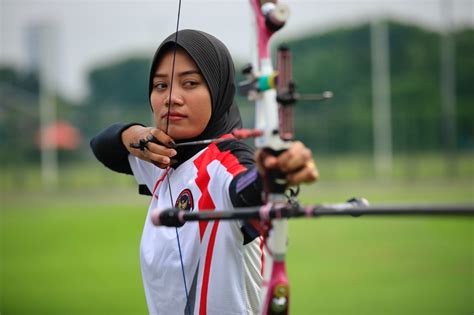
274,179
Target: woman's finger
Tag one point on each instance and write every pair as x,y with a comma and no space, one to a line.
294,158
307,174
161,150
161,137
161,161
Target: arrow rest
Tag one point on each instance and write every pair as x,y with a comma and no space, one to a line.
282,81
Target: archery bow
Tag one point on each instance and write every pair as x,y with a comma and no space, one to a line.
275,119
274,94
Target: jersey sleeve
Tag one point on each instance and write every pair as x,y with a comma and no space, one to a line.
145,174
241,151
246,187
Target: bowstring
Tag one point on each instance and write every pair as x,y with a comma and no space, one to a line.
187,307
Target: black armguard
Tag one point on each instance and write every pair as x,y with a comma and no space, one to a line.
108,148
246,189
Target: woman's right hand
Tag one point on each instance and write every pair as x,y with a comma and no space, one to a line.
158,148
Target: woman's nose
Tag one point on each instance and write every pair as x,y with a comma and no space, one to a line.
176,99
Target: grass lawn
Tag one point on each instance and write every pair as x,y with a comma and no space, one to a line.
76,252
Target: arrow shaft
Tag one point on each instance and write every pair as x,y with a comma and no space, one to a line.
175,217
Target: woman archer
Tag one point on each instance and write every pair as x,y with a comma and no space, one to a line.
199,268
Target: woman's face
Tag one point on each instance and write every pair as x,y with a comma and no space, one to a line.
190,109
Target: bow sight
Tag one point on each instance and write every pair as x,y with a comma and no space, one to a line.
286,94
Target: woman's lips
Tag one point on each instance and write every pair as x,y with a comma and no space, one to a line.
173,116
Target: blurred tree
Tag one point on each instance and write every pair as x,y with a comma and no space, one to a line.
123,83
26,81
118,92
18,114
464,41
340,61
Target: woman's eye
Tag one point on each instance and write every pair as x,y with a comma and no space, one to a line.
160,86
190,83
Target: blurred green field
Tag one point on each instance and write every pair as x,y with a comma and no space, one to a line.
76,251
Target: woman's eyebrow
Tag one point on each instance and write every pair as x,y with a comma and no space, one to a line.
193,71
187,72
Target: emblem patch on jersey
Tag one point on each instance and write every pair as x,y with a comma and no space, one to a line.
185,200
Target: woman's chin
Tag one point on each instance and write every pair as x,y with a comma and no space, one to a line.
179,135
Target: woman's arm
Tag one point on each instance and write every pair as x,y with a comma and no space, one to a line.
296,163
108,147
112,146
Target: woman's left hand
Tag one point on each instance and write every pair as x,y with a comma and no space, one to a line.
296,162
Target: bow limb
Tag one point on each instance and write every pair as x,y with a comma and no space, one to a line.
270,17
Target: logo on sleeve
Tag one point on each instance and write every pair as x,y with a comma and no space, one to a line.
185,200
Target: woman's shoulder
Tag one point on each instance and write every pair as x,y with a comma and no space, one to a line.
233,154
233,144
239,149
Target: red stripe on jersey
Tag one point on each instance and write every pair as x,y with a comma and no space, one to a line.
231,164
207,269
202,181
262,259
228,160
160,180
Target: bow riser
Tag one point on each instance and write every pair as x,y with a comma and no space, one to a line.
266,119
270,17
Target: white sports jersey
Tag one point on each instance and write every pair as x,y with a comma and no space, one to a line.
222,275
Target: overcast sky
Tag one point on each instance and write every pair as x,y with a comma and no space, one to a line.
92,32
